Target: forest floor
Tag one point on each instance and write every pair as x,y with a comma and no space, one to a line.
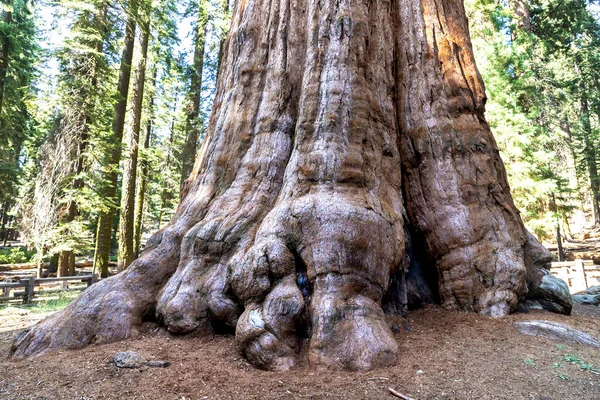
443,355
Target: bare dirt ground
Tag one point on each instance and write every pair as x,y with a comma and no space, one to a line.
13,319
460,356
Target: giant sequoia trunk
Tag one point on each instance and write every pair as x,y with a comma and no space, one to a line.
345,135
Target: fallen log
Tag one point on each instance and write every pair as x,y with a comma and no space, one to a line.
16,267
556,331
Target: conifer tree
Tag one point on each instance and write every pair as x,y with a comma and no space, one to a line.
127,214
193,102
113,156
18,54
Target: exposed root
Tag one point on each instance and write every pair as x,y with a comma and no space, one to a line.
106,312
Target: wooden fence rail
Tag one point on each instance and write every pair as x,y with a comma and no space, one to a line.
30,283
579,274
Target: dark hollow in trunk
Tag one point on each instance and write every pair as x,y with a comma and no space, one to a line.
345,137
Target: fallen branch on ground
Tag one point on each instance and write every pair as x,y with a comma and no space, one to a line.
398,394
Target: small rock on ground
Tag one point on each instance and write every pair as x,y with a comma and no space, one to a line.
131,359
593,290
586,299
128,359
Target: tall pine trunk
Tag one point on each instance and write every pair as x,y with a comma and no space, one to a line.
165,195
3,222
105,219
338,128
193,123
143,178
222,41
589,154
127,216
522,14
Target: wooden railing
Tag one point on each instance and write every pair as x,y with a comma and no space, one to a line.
579,274
31,283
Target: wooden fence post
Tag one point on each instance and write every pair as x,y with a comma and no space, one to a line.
30,282
92,280
579,283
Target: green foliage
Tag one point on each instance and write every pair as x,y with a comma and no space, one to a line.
17,72
58,110
537,80
529,362
57,210
576,360
572,359
16,255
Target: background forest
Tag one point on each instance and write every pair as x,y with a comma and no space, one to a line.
104,105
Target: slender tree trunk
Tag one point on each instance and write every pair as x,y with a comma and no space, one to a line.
127,216
40,268
522,14
5,240
580,181
193,123
164,198
337,127
222,41
589,147
559,245
589,152
143,178
4,222
64,264
3,216
67,256
105,220
53,265
566,228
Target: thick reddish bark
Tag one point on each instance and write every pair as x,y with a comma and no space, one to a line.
346,156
